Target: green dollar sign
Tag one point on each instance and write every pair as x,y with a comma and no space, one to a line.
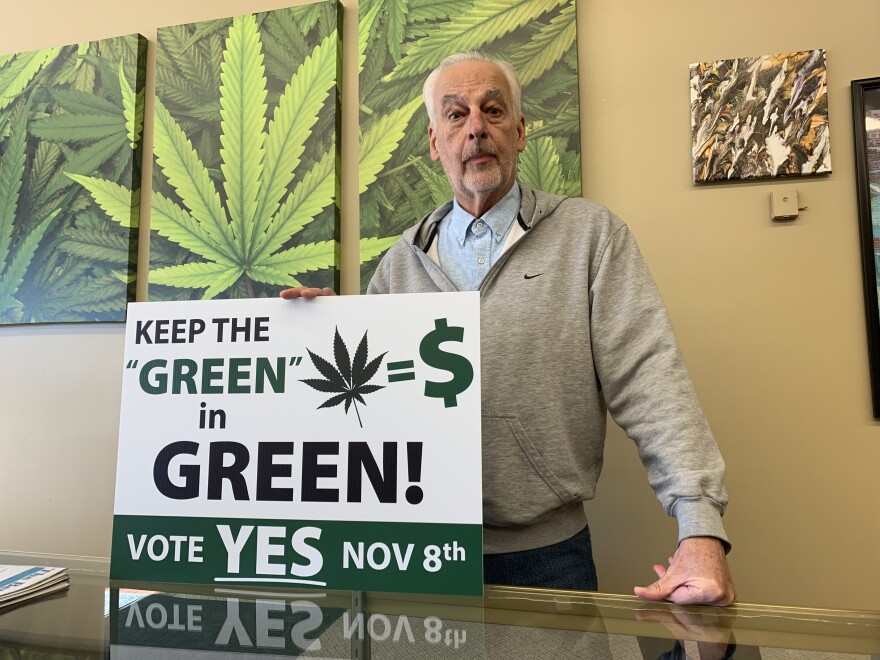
460,366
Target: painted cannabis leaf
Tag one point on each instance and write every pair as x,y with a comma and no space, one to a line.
245,153
244,241
349,379
14,264
400,41
68,112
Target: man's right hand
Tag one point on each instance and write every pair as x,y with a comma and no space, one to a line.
306,292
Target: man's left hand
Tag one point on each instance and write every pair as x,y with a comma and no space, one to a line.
697,575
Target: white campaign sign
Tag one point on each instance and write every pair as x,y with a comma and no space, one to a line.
330,443
222,411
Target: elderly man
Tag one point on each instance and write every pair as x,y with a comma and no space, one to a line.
571,326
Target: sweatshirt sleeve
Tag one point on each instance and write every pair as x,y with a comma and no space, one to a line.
377,282
649,392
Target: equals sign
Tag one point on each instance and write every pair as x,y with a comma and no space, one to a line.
405,370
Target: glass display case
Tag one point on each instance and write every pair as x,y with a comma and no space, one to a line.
97,618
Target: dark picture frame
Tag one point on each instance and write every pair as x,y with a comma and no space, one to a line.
866,133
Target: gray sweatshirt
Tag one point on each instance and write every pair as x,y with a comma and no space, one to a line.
572,325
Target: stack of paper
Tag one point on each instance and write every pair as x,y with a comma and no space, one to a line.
19,584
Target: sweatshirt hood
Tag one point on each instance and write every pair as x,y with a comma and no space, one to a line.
532,210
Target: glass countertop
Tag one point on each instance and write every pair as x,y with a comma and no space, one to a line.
97,618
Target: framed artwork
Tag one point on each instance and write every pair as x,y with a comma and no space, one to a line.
399,44
760,117
866,129
71,120
245,145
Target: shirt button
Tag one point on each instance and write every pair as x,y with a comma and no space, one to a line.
480,260
479,226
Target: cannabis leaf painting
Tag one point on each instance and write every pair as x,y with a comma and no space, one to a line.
399,42
349,379
245,147
67,114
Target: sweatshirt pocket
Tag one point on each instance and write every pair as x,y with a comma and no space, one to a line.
519,487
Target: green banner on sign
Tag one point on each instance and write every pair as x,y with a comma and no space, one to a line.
336,555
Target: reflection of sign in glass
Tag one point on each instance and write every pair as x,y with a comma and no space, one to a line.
238,462
310,624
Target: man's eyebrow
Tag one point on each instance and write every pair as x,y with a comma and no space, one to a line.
449,99
494,93
490,94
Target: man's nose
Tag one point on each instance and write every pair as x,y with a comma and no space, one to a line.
476,126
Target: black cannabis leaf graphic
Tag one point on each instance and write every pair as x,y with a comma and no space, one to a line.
348,377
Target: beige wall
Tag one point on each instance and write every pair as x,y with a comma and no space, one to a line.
770,317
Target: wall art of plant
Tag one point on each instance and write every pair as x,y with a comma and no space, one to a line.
245,182
400,42
757,117
66,114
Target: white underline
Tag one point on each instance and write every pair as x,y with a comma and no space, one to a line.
267,579
273,594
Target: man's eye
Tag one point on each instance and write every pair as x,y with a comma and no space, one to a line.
453,115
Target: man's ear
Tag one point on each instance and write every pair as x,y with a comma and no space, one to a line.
432,143
521,134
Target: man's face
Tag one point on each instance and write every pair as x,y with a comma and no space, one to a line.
476,136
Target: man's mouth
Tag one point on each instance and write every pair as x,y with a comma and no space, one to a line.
479,158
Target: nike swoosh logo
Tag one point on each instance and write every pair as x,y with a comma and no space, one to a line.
529,277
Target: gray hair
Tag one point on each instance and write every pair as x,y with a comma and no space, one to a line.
472,56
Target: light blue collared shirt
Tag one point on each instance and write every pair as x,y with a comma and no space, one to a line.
469,246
